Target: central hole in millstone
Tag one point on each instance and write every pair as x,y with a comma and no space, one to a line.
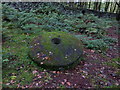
56,40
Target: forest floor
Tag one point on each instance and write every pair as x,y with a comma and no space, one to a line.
97,70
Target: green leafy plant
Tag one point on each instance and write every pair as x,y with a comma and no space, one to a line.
97,44
62,86
114,63
9,13
112,86
110,40
20,27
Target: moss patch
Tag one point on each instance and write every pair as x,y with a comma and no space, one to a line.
55,49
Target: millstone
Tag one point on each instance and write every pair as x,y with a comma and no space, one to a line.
55,49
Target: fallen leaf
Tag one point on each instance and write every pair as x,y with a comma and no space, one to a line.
54,71
7,83
58,72
34,72
65,80
92,51
63,83
68,83
36,84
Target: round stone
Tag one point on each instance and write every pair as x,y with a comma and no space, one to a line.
55,49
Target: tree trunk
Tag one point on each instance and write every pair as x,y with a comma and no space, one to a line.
107,6
118,12
80,4
89,5
114,8
95,6
99,6
111,7
85,5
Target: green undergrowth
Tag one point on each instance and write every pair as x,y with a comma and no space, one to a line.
50,19
101,44
19,28
115,63
61,86
113,86
16,60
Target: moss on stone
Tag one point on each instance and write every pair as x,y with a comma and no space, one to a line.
55,49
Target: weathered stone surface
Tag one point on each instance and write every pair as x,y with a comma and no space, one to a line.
55,49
